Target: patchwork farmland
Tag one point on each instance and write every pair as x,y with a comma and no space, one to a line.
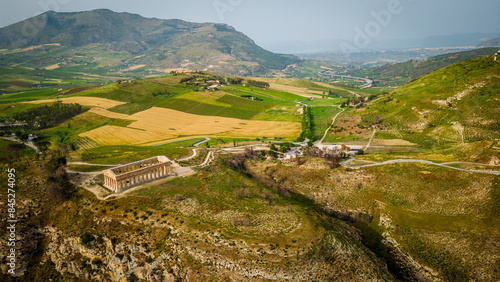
159,124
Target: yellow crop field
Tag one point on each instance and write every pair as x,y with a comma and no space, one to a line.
392,142
301,91
135,67
52,67
109,114
156,125
84,101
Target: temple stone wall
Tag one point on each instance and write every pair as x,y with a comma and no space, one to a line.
133,174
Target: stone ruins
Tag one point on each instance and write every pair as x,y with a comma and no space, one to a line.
133,174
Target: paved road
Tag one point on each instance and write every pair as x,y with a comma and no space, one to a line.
201,142
82,172
195,153
195,145
344,163
210,157
368,82
29,143
83,163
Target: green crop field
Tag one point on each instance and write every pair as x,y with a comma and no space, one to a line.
68,131
244,103
242,90
127,154
322,119
28,96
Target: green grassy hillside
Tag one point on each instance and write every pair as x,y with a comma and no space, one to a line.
452,106
399,73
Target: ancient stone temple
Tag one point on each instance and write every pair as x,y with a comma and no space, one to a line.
133,174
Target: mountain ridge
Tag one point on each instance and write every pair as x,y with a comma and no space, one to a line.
165,43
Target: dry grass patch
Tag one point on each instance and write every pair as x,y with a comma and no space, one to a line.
132,68
108,114
392,142
52,67
159,124
84,101
301,91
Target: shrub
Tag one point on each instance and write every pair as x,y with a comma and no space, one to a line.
86,238
179,198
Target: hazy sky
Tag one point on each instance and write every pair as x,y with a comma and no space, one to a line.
282,25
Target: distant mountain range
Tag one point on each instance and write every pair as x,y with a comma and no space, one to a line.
379,44
457,40
151,42
495,42
406,71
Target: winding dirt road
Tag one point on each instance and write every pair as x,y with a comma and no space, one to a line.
320,142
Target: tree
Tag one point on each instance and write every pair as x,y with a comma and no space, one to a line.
61,174
361,152
23,136
43,145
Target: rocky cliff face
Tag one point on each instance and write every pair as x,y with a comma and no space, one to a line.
163,239
104,261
